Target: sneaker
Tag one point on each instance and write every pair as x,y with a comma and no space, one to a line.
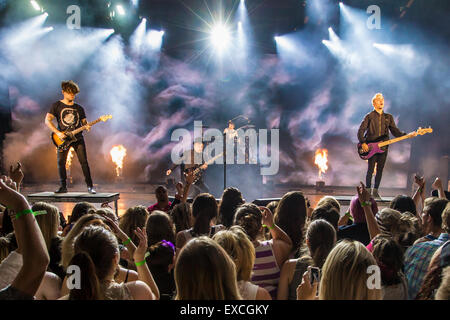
91,190
61,190
375,194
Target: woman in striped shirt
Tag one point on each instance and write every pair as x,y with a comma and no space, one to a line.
270,254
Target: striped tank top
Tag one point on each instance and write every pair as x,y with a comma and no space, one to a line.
266,272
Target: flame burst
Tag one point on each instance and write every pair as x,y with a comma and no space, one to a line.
118,153
69,158
321,159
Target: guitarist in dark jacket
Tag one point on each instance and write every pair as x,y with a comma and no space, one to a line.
375,128
188,164
70,116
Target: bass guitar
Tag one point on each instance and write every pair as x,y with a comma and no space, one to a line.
197,171
375,147
64,144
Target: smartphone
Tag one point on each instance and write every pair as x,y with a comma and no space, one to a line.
314,274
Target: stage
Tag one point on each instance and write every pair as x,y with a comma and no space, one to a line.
128,195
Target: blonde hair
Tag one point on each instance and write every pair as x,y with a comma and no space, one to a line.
239,247
204,271
48,222
375,97
329,201
67,250
345,273
443,292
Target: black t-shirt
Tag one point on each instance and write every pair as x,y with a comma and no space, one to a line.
68,117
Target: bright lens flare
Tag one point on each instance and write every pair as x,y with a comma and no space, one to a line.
220,36
321,160
118,153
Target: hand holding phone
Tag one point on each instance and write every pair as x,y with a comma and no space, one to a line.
314,275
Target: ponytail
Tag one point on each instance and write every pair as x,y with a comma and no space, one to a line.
89,283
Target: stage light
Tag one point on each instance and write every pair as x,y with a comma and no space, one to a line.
154,38
220,36
239,26
35,5
120,10
333,35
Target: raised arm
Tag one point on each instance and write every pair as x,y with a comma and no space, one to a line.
144,273
29,240
364,199
437,184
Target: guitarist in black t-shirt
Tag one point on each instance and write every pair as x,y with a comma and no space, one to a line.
70,116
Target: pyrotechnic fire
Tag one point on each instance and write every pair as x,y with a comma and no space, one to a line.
69,158
321,159
118,153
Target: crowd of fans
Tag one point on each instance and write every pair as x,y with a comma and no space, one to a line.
230,250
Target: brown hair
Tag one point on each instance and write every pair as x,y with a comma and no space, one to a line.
204,209
133,218
67,244
389,256
204,271
231,200
70,87
95,250
435,208
446,218
290,216
181,216
321,237
249,217
330,214
159,227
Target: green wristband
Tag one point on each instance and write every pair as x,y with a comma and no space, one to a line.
138,264
40,212
22,213
126,242
365,203
269,227
349,216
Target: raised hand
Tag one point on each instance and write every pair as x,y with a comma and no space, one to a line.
363,194
179,188
437,184
16,174
9,196
190,177
139,253
267,216
420,181
306,291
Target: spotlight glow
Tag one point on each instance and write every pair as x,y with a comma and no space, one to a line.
154,39
120,10
35,5
220,36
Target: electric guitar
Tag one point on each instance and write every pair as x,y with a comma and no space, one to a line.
64,144
375,147
197,171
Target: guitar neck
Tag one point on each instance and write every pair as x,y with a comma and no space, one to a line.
385,143
84,127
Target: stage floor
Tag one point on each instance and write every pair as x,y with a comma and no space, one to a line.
143,194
